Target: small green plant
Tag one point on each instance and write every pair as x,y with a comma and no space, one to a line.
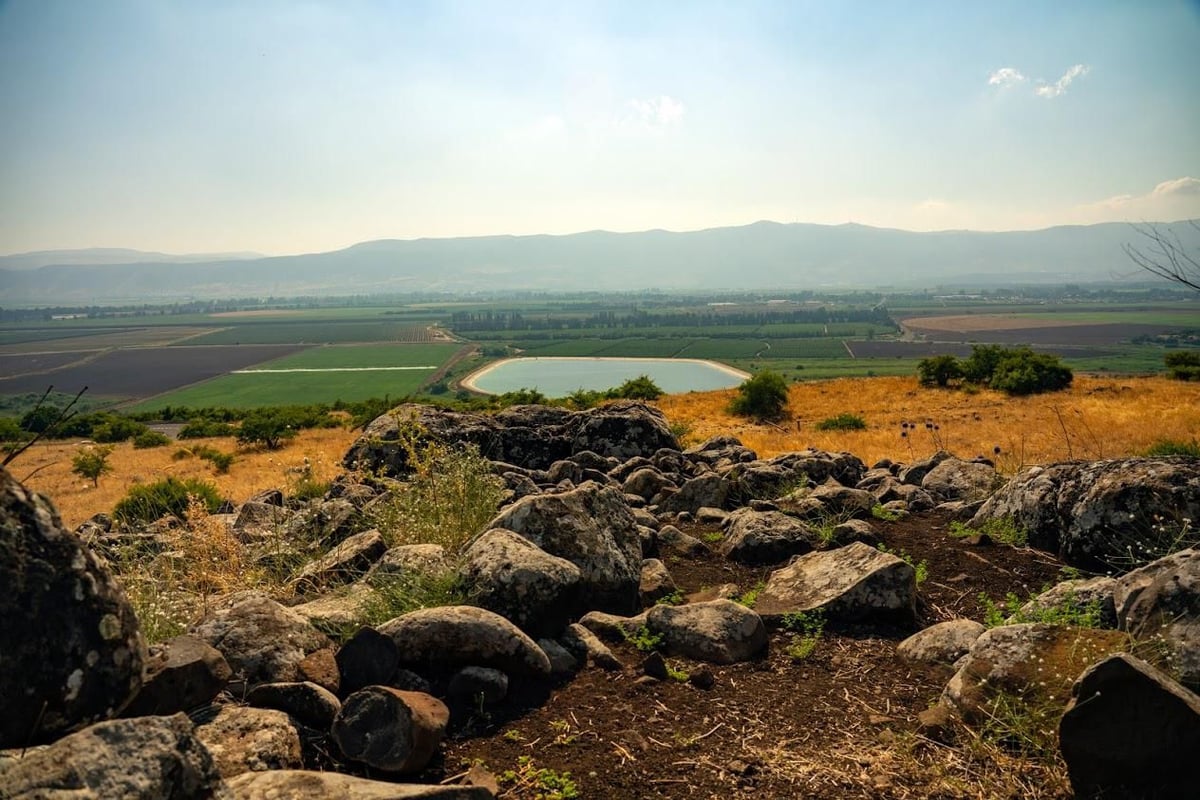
148,502
395,594
1003,530
672,599
682,431
749,597
807,628
1069,611
644,639
842,422
530,782
91,463
513,735
712,537
921,568
144,441
677,674
884,514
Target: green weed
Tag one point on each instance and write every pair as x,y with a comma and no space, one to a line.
1003,530
807,628
530,782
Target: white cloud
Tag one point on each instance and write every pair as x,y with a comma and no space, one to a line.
1178,198
1057,88
1005,77
654,115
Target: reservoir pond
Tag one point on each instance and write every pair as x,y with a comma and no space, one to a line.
558,377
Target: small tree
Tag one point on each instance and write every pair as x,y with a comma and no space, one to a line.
92,463
1022,371
1183,365
270,428
639,388
939,370
981,364
762,397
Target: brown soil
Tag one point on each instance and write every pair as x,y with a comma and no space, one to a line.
822,727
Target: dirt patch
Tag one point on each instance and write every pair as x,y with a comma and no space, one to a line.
768,729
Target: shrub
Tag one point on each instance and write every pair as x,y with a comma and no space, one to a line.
842,422
1183,365
939,370
117,429
763,397
206,429
639,388
149,438
92,463
981,364
450,496
1173,447
522,397
152,501
1022,371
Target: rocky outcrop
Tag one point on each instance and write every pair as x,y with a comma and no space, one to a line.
135,758
594,529
851,584
1091,514
262,640
531,437
1130,731
506,573
71,651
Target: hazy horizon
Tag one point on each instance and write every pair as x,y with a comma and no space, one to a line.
279,128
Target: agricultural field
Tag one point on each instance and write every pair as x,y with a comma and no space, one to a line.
42,341
318,332
316,375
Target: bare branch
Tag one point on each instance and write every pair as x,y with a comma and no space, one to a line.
1164,255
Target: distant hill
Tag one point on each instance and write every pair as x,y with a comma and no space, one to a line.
764,255
108,256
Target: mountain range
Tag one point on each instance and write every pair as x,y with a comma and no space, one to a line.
763,255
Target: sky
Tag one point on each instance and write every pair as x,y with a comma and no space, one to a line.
310,125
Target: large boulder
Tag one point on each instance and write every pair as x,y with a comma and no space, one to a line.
506,573
1161,602
1091,514
1130,731
1034,662
127,758
595,530
851,584
719,631
956,479
765,537
71,651
263,641
621,430
346,562
704,491
433,640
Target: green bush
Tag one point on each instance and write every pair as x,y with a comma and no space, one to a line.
267,427
117,429
206,429
939,370
763,397
842,422
151,501
639,388
982,363
1022,371
149,438
1173,447
1183,365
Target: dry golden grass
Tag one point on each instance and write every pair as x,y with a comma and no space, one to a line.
1096,418
46,468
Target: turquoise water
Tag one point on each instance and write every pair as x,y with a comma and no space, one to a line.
557,377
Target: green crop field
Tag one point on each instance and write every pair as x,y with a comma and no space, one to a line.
365,355
315,332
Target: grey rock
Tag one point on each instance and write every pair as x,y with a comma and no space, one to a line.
339,609
1130,731
457,636
187,672
916,472
588,648
943,643
1091,513
594,529
656,582
257,520
1079,595
345,562
243,739
955,479
71,649
612,627
765,537
852,583
646,482
718,631
147,757
506,573
368,658
306,702
262,640
406,559
705,491
1161,601
561,660
676,541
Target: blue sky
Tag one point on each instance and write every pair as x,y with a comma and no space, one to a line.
294,126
